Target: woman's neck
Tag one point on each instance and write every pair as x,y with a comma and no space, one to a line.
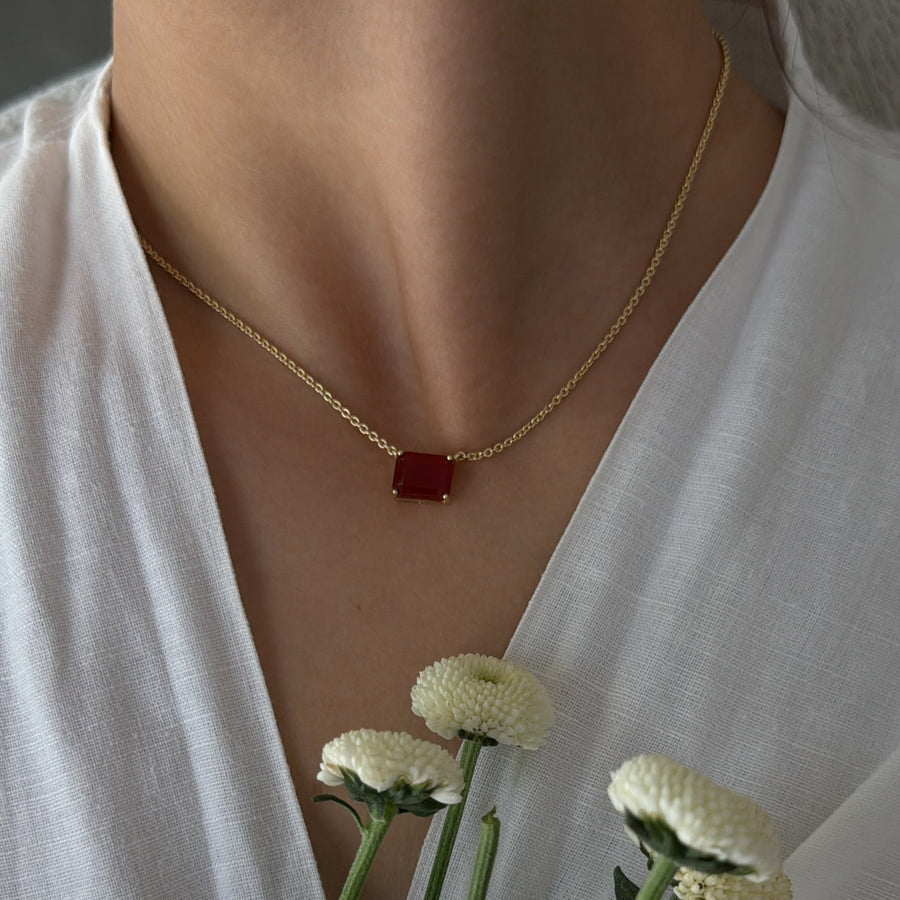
413,197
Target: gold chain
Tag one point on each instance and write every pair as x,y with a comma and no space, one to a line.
566,389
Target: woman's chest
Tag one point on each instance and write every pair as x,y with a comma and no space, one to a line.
344,614
349,593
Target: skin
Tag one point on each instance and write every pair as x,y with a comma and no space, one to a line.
438,208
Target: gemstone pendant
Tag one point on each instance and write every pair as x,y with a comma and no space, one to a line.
423,477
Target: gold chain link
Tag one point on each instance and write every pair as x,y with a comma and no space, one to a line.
566,389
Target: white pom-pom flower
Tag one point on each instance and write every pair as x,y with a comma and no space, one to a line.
709,820
405,770
483,698
692,885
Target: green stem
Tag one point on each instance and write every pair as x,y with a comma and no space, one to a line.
484,861
658,880
452,817
372,835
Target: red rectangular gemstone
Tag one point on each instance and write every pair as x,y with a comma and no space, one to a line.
423,476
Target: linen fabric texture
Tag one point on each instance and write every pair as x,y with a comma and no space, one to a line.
726,592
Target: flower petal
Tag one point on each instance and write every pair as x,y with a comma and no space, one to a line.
690,885
393,762
485,697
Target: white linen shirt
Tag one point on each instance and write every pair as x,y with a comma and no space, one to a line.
726,592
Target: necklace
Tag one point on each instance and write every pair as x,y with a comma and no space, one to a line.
428,476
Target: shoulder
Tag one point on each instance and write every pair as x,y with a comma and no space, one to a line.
836,213
45,117
48,142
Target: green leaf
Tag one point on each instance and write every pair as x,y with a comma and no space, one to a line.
656,835
712,865
402,797
357,790
626,889
413,799
426,808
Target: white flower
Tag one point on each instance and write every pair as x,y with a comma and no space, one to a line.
700,886
483,697
386,760
704,816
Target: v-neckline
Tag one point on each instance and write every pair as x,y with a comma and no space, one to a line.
159,336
